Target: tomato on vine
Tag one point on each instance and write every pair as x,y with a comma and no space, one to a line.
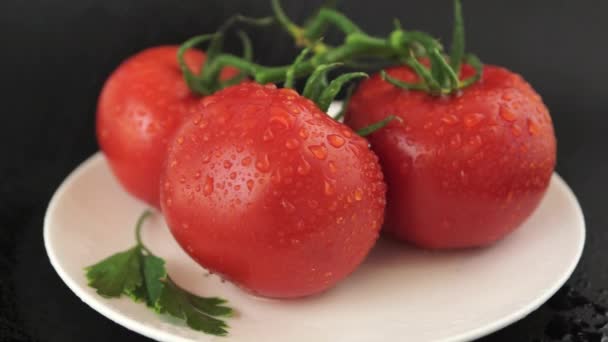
264,188
475,152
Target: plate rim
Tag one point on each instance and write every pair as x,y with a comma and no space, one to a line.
159,334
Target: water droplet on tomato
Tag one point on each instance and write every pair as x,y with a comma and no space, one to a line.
346,132
473,119
358,194
313,204
227,164
263,163
246,161
516,130
250,184
303,167
292,144
303,133
339,220
456,141
335,140
507,114
319,151
180,140
329,188
532,127
450,119
232,175
280,121
197,175
208,186
288,206
268,135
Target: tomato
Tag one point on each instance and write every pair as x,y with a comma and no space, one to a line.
141,105
463,170
264,188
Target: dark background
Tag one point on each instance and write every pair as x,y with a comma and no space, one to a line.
55,55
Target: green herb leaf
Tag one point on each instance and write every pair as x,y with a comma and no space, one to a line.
178,303
143,277
118,274
154,276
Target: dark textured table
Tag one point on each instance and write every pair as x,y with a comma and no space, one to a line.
56,55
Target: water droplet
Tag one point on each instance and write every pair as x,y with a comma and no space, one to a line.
203,124
347,132
319,151
507,97
358,194
450,119
516,130
207,101
197,175
268,135
532,127
339,220
250,184
332,167
180,140
290,208
280,121
473,119
507,114
227,164
246,161
262,163
292,144
475,140
237,188
303,167
276,177
329,188
303,133
335,140
455,141
208,186
232,175
239,148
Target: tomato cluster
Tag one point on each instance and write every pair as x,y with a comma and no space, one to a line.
260,185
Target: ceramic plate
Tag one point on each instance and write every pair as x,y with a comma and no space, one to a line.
400,293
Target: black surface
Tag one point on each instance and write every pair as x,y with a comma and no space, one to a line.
55,55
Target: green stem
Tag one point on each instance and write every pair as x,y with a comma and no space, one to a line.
318,24
138,226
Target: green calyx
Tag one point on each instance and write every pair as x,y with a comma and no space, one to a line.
442,75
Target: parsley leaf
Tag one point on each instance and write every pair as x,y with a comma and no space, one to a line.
179,303
116,275
142,276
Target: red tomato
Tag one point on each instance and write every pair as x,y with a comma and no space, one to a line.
267,190
464,170
140,107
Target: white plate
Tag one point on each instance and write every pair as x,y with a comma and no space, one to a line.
398,294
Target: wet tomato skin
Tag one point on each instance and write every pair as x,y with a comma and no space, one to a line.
140,106
263,188
462,171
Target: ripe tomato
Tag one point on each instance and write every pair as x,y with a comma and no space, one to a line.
267,190
140,107
464,170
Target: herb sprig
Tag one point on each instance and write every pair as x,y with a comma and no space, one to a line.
142,276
